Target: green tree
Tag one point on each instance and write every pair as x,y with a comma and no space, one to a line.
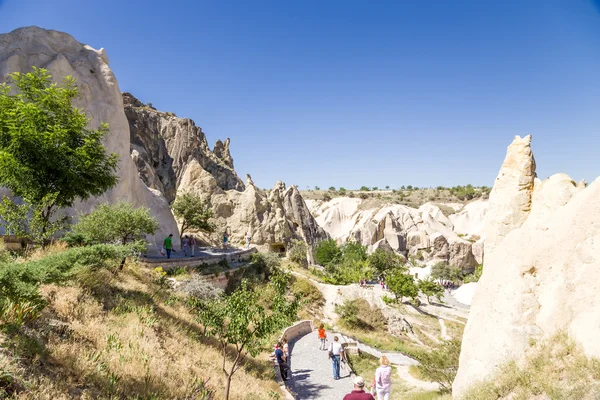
387,187
327,251
297,252
317,188
401,284
342,191
332,188
116,223
193,212
441,365
429,288
375,188
364,188
49,157
383,261
443,270
242,324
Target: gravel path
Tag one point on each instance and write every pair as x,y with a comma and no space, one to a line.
312,374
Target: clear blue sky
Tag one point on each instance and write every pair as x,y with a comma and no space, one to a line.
351,93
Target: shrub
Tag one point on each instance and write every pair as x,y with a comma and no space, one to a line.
383,261
199,288
364,188
327,251
342,191
297,252
358,313
332,188
443,270
440,365
388,300
309,294
474,277
326,197
363,196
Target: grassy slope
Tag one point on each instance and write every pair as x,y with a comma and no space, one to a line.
127,337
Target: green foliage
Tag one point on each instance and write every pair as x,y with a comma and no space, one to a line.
342,191
474,277
239,322
297,252
388,300
401,284
429,288
443,270
48,155
310,295
358,313
375,188
354,251
332,188
193,212
327,251
364,189
317,188
19,282
440,365
383,261
114,223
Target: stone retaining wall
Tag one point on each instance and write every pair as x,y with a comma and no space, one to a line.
300,328
168,263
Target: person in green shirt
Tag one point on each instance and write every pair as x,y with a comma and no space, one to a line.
168,245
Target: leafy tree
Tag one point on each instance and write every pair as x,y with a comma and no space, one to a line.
342,191
48,156
327,251
429,288
116,223
353,251
332,188
409,187
364,188
241,322
443,270
297,252
387,187
383,261
193,212
375,188
403,187
441,365
317,188
401,284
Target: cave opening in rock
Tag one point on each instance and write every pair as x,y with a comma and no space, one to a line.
277,248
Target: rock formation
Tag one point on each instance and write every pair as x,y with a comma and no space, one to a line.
99,96
163,145
409,231
542,268
172,156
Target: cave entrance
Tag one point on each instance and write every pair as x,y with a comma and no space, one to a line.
278,248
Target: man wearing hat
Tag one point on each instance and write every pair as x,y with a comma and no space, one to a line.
358,393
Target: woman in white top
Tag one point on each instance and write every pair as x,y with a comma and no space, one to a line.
383,379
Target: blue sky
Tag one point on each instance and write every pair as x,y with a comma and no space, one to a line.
351,93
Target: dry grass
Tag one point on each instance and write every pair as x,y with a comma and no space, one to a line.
124,336
553,369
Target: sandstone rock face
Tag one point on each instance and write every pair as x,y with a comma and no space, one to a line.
403,229
99,96
542,273
163,145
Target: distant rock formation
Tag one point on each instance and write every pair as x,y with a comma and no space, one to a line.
172,156
542,268
162,146
425,231
99,96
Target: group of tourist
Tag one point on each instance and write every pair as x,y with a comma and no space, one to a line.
282,354
188,244
382,383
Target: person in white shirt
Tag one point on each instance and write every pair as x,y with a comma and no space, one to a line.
336,354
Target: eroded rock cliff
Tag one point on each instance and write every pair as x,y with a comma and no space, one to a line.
542,268
99,96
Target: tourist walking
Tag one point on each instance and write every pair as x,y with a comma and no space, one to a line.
185,245
280,356
225,240
383,379
248,238
286,351
322,338
192,245
359,391
168,245
336,354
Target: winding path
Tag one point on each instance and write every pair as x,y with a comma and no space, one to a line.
312,374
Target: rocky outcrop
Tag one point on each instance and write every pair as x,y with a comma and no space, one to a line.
542,268
425,231
163,145
99,96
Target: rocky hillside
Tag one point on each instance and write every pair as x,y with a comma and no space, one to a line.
163,145
425,233
99,96
542,264
172,156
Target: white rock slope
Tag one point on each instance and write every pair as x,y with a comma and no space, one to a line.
99,96
542,268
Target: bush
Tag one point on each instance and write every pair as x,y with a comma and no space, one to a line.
443,270
359,314
200,289
383,261
388,300
441,365
364,188
474,277
327,251
297,252
308,293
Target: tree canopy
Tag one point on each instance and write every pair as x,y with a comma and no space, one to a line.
401,284
49,157
193,212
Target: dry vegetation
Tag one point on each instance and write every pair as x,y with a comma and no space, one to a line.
125,336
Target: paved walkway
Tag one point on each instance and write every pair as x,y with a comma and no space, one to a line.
312,373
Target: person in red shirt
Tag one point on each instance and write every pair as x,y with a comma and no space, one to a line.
358,393
322,337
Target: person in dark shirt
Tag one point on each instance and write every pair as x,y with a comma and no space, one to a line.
280,355
358,393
